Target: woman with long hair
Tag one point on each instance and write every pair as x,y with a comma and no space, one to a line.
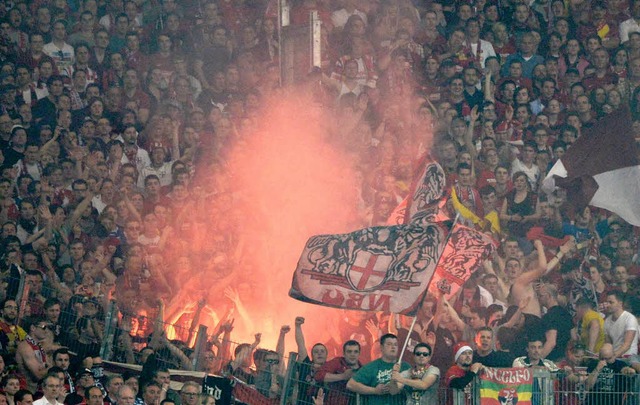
619,59
572,58
267,49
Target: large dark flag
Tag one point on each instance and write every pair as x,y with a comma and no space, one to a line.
602,168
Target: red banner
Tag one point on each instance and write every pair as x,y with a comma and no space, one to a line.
464,253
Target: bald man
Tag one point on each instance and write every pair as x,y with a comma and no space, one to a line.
608,378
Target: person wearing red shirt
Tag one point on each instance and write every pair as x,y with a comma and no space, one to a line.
336,372
460,375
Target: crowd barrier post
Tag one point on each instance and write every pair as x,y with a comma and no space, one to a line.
201,344
547,384
111,325
283,21
291,369
315,39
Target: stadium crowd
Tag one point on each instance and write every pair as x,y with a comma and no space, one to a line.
117,125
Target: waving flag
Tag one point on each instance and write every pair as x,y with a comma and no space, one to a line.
390,268
602,168
427,192
385,268
463,254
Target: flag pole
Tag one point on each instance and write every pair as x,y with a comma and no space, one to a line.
413,322
406,340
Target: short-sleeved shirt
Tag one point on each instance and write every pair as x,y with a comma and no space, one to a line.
558,319
616,330
379,372
494,359
610,384
589,317
422,397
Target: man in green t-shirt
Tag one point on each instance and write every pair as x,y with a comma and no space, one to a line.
374,379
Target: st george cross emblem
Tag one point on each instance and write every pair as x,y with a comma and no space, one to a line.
368,271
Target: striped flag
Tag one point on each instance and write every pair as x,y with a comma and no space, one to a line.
506,386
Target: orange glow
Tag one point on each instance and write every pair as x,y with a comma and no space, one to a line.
288,182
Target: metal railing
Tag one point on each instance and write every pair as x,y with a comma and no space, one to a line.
297,385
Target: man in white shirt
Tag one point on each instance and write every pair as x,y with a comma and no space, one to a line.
50,388
527,164
158,166
61,52
630,25
620,326
480,48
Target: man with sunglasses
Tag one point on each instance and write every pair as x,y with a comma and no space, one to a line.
31,356
421,381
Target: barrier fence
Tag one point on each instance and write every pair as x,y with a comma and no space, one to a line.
123,336
547,389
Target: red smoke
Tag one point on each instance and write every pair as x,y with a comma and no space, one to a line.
288,181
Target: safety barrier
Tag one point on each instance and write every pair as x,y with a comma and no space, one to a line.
121,336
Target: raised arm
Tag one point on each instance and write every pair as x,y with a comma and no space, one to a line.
302,348
468,136
488,94
244,354
540,269
454,314
564,249
80,208
130,207
234,296
488,267
280,346
224,350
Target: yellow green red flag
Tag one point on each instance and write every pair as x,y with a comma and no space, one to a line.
506,386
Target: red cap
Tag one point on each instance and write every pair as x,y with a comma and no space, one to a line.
460,348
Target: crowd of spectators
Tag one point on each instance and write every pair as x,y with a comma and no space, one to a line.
117,122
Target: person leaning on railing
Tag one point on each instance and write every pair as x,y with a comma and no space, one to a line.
421,381
607,382
336,372
462,373
374,379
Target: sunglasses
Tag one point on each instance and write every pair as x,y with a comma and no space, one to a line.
272,361
423,354
45,327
